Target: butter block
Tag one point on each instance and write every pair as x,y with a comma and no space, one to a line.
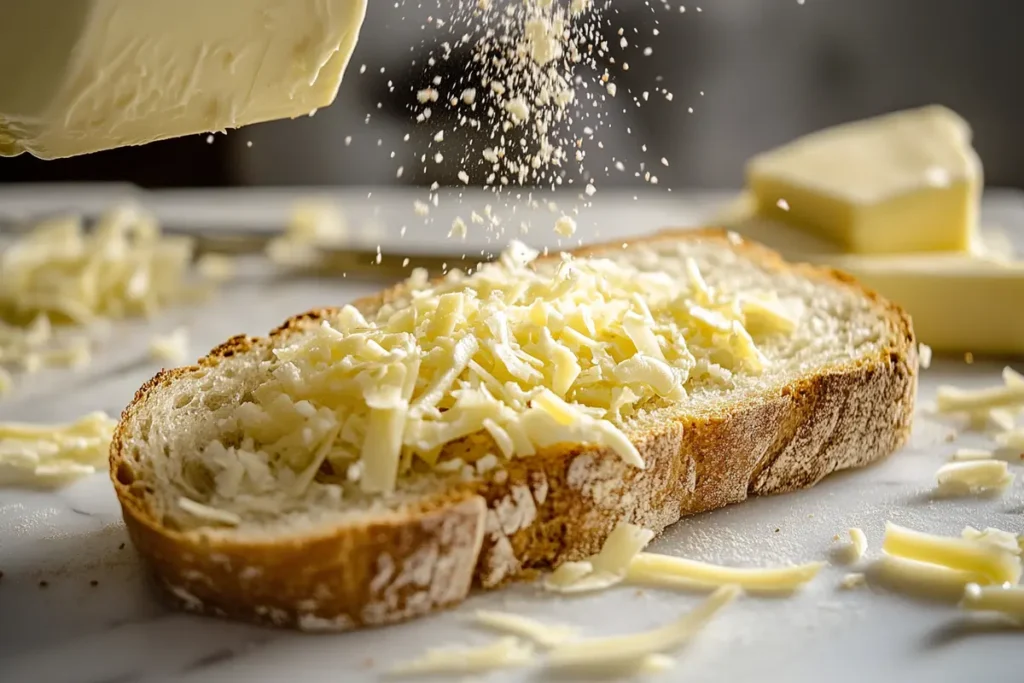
900,183
89,75
958,302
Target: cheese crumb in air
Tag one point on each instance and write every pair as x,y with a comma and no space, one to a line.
924,353
565,226
458,229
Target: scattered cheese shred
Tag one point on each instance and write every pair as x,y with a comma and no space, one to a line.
990,562
668,571
954,400
617,650
1008,600
502,653
930,581
973,477
525,627
49,455
853,580
1013,439
568,575
605,569
858,543
971,454
1004,539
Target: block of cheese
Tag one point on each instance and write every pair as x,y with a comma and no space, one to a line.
900,183
958,302
97,74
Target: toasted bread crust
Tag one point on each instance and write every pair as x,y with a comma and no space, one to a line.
557,506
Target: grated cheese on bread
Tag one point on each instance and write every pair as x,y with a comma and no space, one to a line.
274,482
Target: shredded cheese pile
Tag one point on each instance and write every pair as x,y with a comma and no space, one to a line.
53,454
525,357
62,274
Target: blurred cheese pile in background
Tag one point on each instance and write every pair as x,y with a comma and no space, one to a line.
49,455
62,280
895,201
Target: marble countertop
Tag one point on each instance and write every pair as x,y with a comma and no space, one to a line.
77,607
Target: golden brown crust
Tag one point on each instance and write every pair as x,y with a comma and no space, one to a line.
557,506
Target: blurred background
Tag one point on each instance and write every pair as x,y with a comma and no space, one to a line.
756,73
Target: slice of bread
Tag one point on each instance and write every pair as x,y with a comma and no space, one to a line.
836,393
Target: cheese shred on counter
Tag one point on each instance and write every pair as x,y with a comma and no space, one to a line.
521,356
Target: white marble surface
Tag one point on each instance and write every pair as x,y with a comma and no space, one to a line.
118,631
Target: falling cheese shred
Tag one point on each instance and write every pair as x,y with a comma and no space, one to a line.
618,650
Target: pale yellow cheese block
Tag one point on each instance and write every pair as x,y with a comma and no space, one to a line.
85,75
970,302
900,183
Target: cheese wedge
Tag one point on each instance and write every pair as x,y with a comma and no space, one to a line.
96,74
899,183
958,302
